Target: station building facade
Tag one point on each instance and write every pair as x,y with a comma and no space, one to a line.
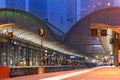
79,37
23,48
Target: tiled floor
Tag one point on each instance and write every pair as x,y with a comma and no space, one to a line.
99,73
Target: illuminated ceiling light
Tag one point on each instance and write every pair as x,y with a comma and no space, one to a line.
46,51
97,38
111,53
106,57
97,57
109,4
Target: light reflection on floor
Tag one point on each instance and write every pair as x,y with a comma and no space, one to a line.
69,75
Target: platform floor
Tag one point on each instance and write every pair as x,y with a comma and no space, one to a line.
98,73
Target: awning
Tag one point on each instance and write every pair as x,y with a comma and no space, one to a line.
28,35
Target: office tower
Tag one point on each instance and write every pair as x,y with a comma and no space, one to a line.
38,8
2,3
88,6
61,13
16,4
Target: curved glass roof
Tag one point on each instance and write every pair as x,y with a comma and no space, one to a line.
79,37
22,33
25,19
25,27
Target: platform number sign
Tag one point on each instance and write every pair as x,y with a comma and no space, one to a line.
41,31
103,32
93,32
10,34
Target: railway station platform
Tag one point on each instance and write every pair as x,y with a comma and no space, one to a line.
96,73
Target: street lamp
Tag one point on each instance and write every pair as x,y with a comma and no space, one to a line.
41,33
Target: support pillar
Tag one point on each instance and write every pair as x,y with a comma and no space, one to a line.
41,51
41,33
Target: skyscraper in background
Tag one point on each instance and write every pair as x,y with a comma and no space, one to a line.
16,4
62,13
2,3
88,6
38,8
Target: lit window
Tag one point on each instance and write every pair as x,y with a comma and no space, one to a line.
108,4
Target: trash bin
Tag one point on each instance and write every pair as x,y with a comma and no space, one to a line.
4,72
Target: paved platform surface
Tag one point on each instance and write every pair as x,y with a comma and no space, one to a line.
98,73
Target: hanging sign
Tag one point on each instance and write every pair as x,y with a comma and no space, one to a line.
93,32
10,34
41,31
103,32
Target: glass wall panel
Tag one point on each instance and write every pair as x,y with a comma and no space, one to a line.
33,57
2,17
10,55
30,56
1,53
23,54
16,54
17,17
37,57
4,54
3,49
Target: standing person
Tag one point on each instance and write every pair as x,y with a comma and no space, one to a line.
72,65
